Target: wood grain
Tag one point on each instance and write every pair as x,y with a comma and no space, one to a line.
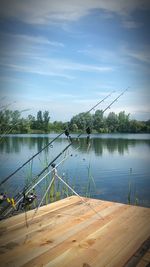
68,233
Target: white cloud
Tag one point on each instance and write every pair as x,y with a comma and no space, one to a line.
28,40
130,24
36,40
36,69
141,55
124,55
52,67
84,67
43,12
27,56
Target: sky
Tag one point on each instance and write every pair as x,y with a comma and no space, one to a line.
65,55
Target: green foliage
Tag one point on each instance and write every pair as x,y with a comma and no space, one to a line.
112,122
90,183
123,122
11,122
81,121
46,119
98,120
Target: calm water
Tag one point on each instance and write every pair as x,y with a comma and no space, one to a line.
102,170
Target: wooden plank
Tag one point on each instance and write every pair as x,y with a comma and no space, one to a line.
137,258
105,239
142,263
147,256
69,233
61,216
14,221
57,233
145,260
81,233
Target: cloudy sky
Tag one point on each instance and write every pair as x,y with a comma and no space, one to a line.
64,55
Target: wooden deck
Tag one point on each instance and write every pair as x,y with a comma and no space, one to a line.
68,233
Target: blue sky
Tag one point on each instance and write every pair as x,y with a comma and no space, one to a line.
64,56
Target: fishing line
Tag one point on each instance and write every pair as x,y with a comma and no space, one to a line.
114,100
95,107
37,183
19,168
54,170
66,133
82,199
51,182
61,162
28,189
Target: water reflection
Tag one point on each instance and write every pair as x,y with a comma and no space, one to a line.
15,144
96,145
99,146
108,160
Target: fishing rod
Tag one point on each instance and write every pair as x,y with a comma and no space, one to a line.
35,180
20,196
50,164
88,129
19,168
114,100
55,175
99,103
66,133
37,177
96,106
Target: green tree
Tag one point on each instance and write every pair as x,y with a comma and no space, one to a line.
82,121
39,122
137,126
123,122
98,121
24,126
5,120
15,116
32,122
46,119
74,127
112,122
58,126
15,121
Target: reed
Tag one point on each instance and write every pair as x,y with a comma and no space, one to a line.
91,182
129,193
132,197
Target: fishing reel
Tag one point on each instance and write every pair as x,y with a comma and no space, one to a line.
30,198
54,171
27,200
88,131
68,135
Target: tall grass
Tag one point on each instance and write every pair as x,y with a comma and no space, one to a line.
90,182
58,190
132,197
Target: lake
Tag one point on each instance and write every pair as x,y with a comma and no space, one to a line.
112,167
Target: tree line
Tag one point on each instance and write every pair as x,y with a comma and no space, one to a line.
14,122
